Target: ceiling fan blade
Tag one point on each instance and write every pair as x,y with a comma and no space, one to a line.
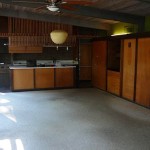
67,7
73,2
41,7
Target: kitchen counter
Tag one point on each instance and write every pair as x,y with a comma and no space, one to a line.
24,67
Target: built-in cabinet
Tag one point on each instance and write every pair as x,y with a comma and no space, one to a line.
128,68
113,66
99,53
42,78
113,82
142,96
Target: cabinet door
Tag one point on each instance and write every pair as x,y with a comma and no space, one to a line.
64,77
85,62
17,49
33,49
143,72
129,53
113,82
23,79
44,78
99,52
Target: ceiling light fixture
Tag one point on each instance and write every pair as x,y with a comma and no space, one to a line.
52,8
58,36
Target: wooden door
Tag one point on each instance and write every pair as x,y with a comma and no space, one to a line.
99,53
85,62
143,72
128,82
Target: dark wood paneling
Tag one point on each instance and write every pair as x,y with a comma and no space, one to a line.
143,72
85,73
129,54
85,61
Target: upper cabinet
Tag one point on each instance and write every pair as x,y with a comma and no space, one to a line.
25,44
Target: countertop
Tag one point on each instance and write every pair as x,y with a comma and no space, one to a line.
24,67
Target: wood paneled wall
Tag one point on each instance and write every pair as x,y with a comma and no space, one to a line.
18,26
37,40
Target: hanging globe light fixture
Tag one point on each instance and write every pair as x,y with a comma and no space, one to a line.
58,36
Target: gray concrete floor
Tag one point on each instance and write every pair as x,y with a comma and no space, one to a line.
72,119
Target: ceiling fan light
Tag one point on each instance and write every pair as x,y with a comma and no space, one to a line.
58,36
52,8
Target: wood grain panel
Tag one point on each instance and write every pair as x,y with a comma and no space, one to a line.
143,72
85,54
44,78
85,61
23,79
113,82
34,49
64,77
17,49
99,52
129,53
85,73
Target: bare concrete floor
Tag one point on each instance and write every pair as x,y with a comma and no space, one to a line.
72,119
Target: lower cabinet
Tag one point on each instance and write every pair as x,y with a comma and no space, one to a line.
23,79
113,82
64,77
44,78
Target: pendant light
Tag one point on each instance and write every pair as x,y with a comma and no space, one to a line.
58,36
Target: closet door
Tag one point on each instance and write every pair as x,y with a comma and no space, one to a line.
85,61
128,82
99,53
143,72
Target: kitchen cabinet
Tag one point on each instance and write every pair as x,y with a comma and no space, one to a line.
25,44
64,77
99,53
113,82
25,49
23,79
85,62
128,68
44,78
142,96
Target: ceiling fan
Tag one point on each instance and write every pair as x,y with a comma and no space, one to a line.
56,5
